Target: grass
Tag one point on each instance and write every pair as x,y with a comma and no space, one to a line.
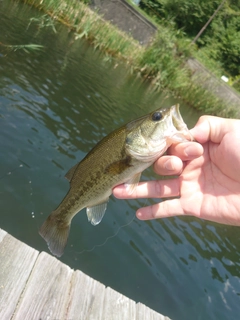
163,61
25,47
43,22
88,24
211,64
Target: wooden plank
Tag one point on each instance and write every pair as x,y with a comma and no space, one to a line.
86,298
47,290
16,262
146,313
117,307
34,286
2,234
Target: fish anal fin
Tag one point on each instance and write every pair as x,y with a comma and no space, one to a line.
96,213
118,167
132,183
70,172
55,235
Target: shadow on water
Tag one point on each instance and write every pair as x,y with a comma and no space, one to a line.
55,104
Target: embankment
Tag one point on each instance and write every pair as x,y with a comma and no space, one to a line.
159,56
129,20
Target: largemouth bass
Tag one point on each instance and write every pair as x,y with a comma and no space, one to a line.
118,158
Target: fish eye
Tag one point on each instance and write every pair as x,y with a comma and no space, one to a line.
157,116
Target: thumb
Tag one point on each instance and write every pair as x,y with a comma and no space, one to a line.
210,128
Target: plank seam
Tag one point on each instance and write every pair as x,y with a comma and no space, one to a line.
24,288
103,302
69,295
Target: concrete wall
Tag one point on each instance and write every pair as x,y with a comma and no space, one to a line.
126,18
209,81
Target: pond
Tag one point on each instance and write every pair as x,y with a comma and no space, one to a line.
55,104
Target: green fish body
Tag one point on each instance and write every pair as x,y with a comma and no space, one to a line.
118,158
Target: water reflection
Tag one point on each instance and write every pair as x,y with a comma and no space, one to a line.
54,106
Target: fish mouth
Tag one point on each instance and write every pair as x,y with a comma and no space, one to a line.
181,132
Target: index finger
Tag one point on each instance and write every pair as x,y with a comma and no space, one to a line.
150,189
186,150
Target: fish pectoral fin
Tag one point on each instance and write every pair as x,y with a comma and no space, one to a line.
70,172
132,183
96,213
119,166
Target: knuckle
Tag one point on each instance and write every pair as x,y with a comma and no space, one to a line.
158,188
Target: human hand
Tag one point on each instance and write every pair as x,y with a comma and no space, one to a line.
208,182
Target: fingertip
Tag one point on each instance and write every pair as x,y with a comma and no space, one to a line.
193,151
186,150
174,164
139,214
145,213
201,130
118,191
168,165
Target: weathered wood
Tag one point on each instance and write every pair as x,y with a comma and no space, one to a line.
34,286
2,234
86,298
46,292
16,262
117,307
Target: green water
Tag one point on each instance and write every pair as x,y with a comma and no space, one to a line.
55,104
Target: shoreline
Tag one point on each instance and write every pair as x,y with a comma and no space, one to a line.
163,62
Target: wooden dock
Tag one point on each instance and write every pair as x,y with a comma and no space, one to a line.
37,286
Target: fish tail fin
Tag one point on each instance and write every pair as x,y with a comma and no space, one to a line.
55,234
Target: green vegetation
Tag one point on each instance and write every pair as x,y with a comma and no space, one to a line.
25,47
163,61
86,24
43,22
218,47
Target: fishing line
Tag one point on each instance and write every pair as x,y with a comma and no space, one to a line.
110,237
10,172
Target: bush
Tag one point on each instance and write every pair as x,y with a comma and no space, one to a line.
165,58
221,39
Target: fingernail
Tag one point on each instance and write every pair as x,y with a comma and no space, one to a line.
139,215
191,151
169,165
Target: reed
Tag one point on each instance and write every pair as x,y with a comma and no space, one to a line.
43,22
90,25
25,47
163,61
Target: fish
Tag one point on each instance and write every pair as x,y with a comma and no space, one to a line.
118,158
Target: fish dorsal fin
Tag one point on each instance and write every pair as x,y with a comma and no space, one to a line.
96,213
132,183
70,172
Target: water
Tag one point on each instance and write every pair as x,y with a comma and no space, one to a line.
55,104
